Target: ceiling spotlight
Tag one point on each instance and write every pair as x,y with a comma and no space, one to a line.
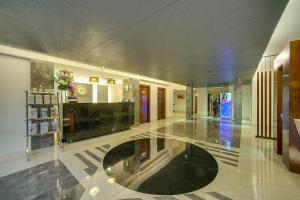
94,79
111,81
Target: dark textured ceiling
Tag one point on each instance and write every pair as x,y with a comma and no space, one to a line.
199,41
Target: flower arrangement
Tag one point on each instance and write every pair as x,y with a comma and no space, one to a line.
64,79
72,90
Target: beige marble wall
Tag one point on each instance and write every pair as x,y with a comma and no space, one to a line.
238,100
42,78
42,74
189,101
131,92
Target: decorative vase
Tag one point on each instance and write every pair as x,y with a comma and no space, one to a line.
63,96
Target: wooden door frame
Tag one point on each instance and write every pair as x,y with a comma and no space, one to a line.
164,103
148,102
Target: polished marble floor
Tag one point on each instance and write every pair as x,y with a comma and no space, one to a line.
149,166
248,168
50,180
206,129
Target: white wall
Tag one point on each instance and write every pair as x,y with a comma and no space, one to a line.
179,104
88,97
246,102
254,101
202,106
169,101
115,93
287,29
153,102
102,94
15,79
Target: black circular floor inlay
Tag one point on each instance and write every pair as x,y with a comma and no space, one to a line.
160,166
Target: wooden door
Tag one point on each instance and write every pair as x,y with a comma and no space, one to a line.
144,104
161,103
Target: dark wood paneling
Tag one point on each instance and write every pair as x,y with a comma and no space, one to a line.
144,146
144,104
266,104
161,103
257,102
290,105
294,107
285,106
270,103
279,110
262,104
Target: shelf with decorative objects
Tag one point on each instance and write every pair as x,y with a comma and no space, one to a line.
42,117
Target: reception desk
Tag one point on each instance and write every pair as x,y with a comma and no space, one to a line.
88,120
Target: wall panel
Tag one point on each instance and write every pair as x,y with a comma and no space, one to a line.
289,60
264,97
15,77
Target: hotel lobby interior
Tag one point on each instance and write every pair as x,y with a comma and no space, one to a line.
150,100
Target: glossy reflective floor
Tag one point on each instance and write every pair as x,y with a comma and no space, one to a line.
50,180
160,166
209,130
248,167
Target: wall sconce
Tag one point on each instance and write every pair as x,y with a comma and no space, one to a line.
94,79
111,81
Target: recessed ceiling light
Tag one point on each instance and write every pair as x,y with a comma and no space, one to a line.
94,79
111,180
111,81
94,191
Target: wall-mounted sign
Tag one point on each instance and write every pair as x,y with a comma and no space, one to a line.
225,106
81,90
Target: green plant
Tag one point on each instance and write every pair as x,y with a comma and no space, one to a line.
64,79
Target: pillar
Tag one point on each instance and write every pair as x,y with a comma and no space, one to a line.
202,101
238,99
131,92
189,101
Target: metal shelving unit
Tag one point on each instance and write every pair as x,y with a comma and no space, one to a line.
39,119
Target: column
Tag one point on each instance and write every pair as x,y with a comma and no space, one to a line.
131,92
189,101
202,101
238,99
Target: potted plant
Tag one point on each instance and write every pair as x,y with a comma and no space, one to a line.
72,93
63,78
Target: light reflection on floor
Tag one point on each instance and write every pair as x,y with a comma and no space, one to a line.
249,168
206,130
160,166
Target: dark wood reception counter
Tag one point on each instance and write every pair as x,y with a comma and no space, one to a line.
88,120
